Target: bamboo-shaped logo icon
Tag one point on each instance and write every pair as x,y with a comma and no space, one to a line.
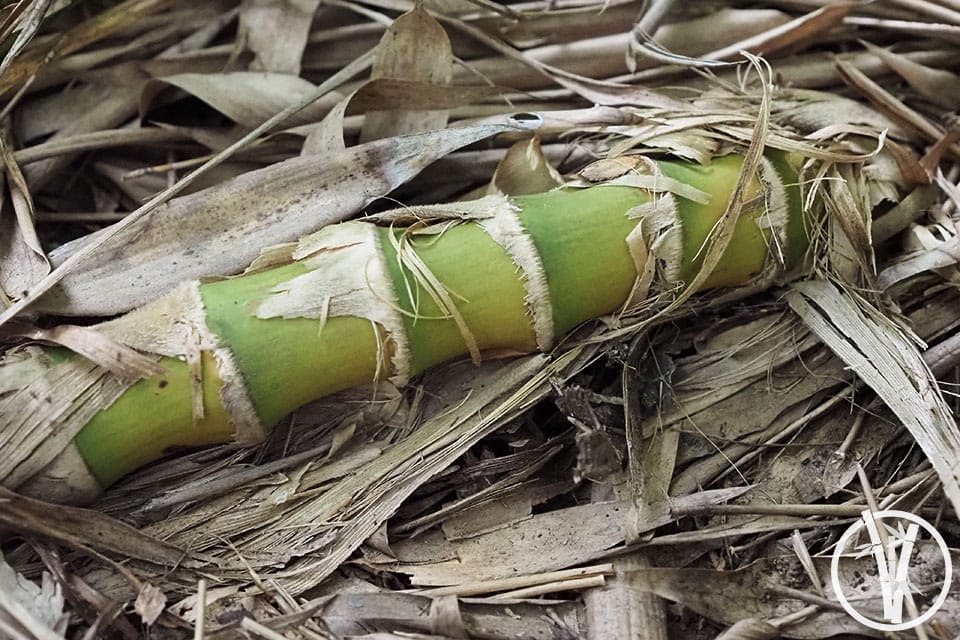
892,548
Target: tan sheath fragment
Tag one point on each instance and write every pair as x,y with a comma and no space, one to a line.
66,480
656,244
775,218
348,277
507,230
47,411
175,326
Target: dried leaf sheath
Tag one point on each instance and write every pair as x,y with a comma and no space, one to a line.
360,301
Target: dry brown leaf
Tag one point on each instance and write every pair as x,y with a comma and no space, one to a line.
276,32
445,619
150,603
84,529
222,230
940,87
22,262
246,97
415,48
524,169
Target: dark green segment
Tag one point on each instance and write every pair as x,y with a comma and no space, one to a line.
127,436
482,281
280,357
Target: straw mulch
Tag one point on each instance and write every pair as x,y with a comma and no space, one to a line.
686,477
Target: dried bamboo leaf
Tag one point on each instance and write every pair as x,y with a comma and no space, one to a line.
619,610
276,32
111,106
546,542
889,104
815,110
246,97
415,48
21,267
750,629
728,597
83,528
98,27
353,613
802,30
221,230
940,87
941,255
393,94
29,23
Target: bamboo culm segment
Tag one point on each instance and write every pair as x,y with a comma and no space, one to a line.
359,301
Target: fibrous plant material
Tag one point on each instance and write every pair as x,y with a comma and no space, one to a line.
386,298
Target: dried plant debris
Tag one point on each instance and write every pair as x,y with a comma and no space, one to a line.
683,466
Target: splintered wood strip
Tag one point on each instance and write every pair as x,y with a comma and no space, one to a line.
574,584
517,583
885,357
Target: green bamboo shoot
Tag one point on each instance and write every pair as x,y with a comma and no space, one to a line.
368,300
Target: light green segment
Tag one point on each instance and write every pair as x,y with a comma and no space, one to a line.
579,235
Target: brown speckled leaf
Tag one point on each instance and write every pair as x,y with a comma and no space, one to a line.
221,230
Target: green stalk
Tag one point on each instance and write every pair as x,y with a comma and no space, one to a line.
279,363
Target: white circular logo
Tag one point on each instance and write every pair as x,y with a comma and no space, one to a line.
893,561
